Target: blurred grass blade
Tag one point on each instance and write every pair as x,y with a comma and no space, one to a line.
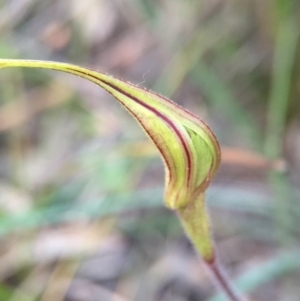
220,96
283,65
266,272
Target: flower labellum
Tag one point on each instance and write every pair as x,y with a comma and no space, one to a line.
189,149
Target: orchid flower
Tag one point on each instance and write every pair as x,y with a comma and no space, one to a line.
189,149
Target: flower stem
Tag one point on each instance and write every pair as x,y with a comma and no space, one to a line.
195,222
224,282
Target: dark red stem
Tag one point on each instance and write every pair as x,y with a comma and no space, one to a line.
224,282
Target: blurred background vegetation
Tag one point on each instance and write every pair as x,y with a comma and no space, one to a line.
81,188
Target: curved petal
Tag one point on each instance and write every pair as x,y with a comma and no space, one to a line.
189,149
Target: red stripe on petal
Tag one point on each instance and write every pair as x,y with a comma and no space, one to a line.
166,119
153,110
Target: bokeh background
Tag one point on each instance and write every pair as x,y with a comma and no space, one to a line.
81,188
